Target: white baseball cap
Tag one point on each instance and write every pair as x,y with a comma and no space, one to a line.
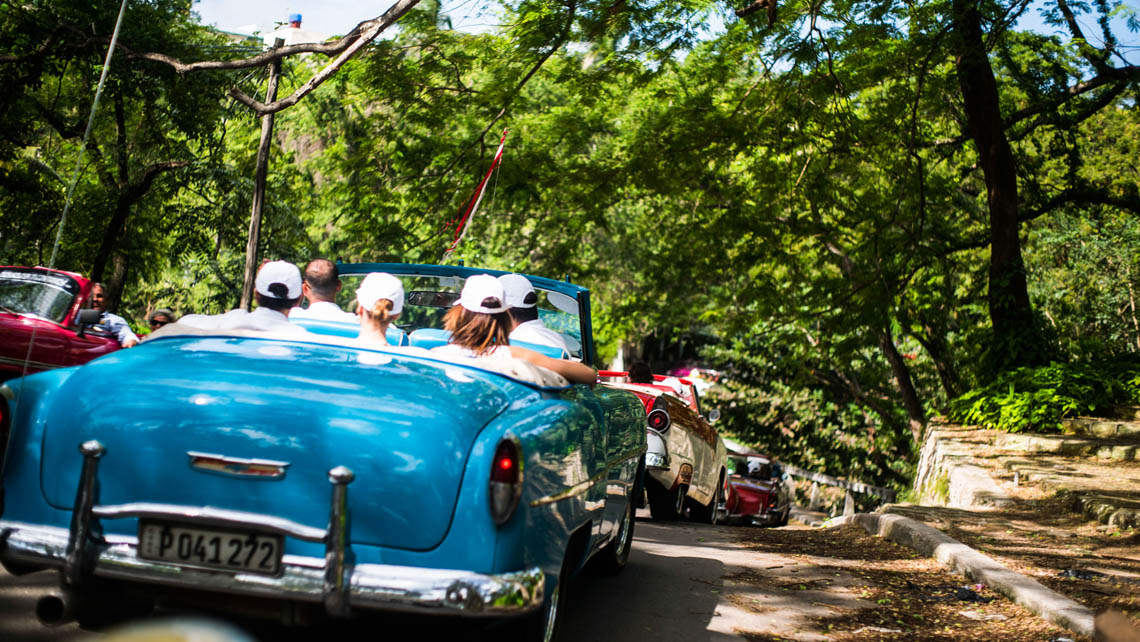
380,285
518,291
483,293
278,272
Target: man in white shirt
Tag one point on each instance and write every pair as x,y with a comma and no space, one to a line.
320,287
277,289
114,323
523,303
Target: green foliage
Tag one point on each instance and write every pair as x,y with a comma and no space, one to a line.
1037,399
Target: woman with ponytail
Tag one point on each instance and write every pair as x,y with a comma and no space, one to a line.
480,325
379,300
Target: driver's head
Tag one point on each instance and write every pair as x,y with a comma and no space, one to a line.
99,297
640,372
322,281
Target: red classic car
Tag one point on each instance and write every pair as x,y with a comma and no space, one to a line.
684,460
46,306
759,491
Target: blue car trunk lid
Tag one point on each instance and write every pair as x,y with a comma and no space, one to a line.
403,425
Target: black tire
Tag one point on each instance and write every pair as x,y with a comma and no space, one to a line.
613,558
783,521
710,514
666,505
546,624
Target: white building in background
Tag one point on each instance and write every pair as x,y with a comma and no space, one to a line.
292,33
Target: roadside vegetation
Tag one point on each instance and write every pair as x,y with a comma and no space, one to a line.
858,212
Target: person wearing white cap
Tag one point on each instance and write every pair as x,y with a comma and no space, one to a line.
276,290
379,300
480,325
320,286
526,326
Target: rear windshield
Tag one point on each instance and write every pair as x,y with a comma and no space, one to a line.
36,293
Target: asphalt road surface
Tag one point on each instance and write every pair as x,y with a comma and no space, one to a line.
684,583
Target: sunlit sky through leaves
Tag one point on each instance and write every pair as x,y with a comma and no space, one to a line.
335,17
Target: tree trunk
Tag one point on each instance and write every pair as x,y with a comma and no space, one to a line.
114,282
259,174
934,342
1016,340
901,373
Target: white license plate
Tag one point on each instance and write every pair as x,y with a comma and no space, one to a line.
210,548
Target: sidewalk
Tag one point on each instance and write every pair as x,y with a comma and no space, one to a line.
1059,511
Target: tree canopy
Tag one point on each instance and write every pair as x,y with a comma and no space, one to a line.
860,210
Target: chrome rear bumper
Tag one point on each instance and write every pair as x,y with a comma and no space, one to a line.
332,580
381,587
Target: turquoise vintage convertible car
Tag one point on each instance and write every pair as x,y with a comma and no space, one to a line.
306,474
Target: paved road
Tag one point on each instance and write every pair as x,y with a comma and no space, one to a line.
684,582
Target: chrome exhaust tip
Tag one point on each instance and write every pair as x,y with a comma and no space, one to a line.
56,608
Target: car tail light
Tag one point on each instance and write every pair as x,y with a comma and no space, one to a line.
658,420
506,481
658,417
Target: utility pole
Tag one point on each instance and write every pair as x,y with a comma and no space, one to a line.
259,184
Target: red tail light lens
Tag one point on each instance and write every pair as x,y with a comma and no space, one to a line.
506,481
658,420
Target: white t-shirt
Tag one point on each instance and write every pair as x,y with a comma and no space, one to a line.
536,332
323,311
260,319
453,350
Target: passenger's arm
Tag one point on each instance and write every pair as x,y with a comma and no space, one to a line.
575,371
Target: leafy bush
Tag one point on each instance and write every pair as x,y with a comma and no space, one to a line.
1037,399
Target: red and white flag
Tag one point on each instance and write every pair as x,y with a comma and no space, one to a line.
473,205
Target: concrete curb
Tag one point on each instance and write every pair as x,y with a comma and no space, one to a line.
964,560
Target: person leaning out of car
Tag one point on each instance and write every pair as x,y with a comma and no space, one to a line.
115,324
277,289
480,326
525,324
379,300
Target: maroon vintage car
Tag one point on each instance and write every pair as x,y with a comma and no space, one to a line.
46,306
759,491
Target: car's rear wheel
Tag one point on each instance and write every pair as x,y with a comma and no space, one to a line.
783,520
615,555
711,513
546,624
666,504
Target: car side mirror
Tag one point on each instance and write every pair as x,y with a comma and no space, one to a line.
714,415
86,318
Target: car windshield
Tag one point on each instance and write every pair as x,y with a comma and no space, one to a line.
47,295
428,298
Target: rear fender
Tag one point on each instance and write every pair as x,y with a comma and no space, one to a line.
28,401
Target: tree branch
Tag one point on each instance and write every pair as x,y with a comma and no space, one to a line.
1088,52
1084,196
365,33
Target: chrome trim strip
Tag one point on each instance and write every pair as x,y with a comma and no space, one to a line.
380,587
42,365
75,563
210,515
237,466
335,588
583,486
